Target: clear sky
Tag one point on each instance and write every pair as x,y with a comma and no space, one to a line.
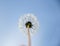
47,12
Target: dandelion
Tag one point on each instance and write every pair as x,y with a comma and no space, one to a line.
29,25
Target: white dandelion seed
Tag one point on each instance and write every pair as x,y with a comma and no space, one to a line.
29,25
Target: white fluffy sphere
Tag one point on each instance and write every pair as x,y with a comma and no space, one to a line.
24,19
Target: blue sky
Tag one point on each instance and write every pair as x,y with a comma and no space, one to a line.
47,12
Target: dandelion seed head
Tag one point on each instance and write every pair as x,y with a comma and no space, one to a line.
28,19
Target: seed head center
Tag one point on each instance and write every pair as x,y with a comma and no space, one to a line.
28,24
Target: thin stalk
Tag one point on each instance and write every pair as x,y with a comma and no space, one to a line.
29,38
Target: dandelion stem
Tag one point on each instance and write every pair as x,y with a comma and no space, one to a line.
29,38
